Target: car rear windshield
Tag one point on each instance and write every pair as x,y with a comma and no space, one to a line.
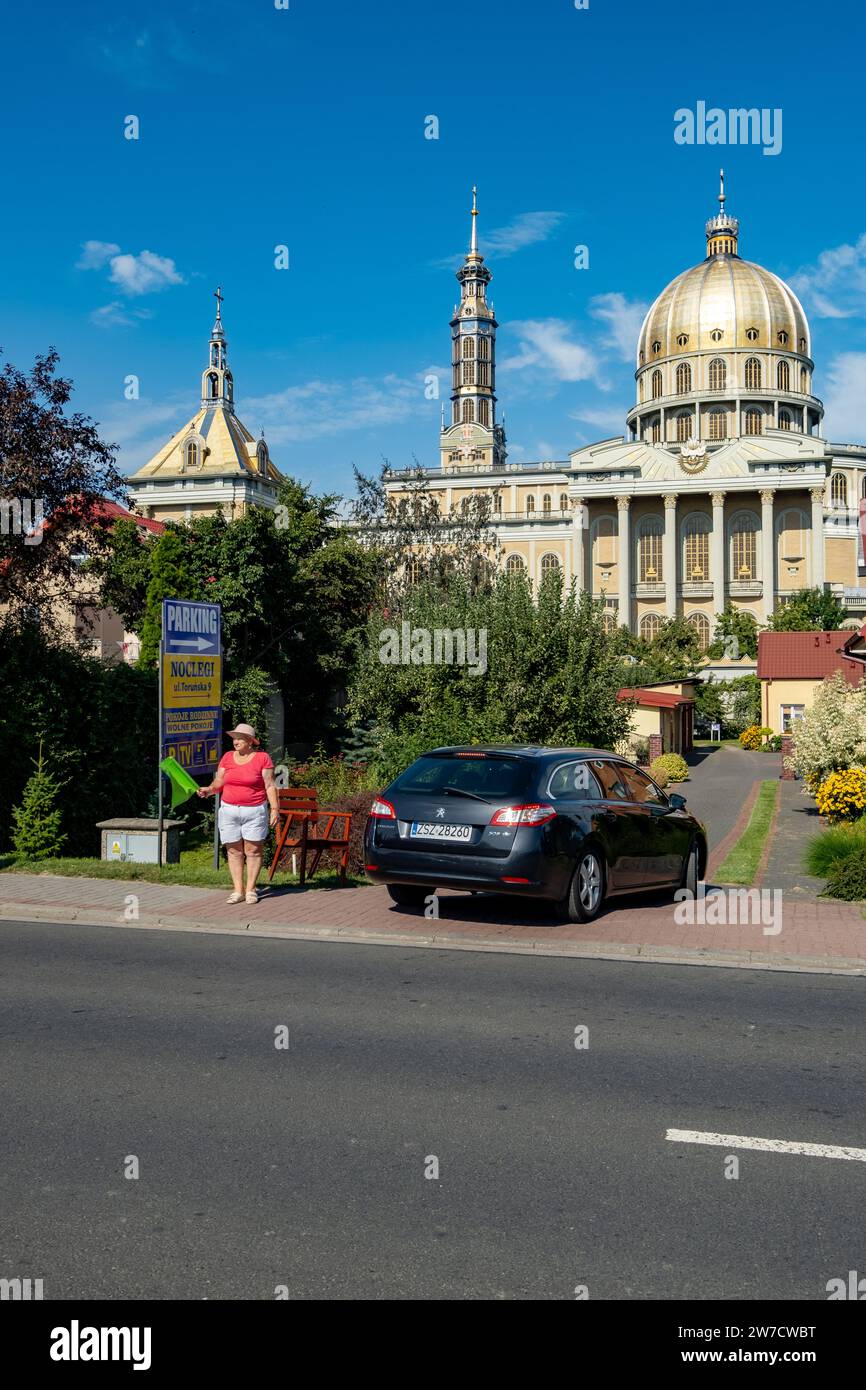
494,778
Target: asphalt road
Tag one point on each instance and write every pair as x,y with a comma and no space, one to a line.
305,1167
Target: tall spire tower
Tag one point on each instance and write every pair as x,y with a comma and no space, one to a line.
473,435
217,387
723,230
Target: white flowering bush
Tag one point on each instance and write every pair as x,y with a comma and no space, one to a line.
831,736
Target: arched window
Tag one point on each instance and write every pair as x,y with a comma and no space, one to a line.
484,412
262,457
752,335
548,564
656,384
717,335
696,548
468,349
701,623
804,381
839,490
754,422
649,626
603,541
547,504
530,506
563,501
229,386
468,377
684,428
468,413
744,546
212,385
640,389
684,378
783,338
783,376
484,349
656,430
514,564
784,419
718,425
650,530
214,355
190,455
718,374
608,621
753,374
413,570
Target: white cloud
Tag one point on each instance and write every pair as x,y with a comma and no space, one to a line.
611,421
526,229
315,409
844,399
835,286
94,254
144,273
624,319
546,344
117,315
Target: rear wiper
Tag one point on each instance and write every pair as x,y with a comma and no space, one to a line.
455,791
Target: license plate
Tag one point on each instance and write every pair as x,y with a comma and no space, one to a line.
431,830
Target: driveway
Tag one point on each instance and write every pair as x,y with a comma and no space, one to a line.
720,780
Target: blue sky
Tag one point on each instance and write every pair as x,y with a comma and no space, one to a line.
305,127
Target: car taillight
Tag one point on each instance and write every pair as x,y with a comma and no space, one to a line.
534,814
383,810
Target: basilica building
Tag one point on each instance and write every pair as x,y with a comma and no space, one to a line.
722,487
213,463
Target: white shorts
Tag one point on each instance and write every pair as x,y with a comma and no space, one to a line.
243,822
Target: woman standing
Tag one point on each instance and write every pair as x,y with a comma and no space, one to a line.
245,781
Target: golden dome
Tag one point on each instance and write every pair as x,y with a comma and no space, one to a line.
720,305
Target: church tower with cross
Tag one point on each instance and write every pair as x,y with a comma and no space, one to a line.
473,434
212,463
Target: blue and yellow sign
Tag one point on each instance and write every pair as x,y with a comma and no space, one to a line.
192,684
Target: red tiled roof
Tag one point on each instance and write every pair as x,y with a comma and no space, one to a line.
112,511
805,656
654,699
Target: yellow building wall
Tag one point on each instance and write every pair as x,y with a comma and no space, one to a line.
776,693
840,561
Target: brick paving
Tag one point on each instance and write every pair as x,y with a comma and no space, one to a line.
816,934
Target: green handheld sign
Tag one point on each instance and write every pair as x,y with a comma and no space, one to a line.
182,785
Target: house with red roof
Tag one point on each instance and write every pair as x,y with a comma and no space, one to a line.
792,666
663,709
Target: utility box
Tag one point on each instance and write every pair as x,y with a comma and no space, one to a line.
135,840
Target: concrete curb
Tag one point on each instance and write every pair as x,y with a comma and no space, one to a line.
586,950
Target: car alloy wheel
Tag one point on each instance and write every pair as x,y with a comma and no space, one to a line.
589,883
690,872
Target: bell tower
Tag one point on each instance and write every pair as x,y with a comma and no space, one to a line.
217,386
473,436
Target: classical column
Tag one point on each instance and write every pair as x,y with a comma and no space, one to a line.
669,555
624,531
768,546
717,551
579,522
817,494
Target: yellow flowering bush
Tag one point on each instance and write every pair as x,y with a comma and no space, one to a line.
754,736
842,795
674,767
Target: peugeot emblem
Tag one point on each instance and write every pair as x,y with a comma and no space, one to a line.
441,813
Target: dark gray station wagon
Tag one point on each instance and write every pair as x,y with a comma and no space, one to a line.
570,825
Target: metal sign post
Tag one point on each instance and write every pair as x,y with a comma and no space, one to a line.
159,758
216,831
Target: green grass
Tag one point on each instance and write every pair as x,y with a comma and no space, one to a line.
825,849
741,864
195,870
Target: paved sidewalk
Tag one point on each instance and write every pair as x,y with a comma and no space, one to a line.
815,936
796,823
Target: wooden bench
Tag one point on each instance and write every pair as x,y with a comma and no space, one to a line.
298,832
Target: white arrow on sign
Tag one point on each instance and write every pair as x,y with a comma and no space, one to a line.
200,642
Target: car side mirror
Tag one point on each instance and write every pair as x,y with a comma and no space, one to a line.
677,802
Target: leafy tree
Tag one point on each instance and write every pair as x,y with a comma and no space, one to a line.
831,736
170,577
674,653
416,539
542,673
743,699
123,571
52,464
809,610
735,634
36,821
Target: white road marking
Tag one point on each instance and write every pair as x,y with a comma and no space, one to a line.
776,1146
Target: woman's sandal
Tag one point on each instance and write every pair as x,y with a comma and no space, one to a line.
235,898
252,897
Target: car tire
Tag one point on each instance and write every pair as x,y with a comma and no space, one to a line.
690,872
585,893
408,894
